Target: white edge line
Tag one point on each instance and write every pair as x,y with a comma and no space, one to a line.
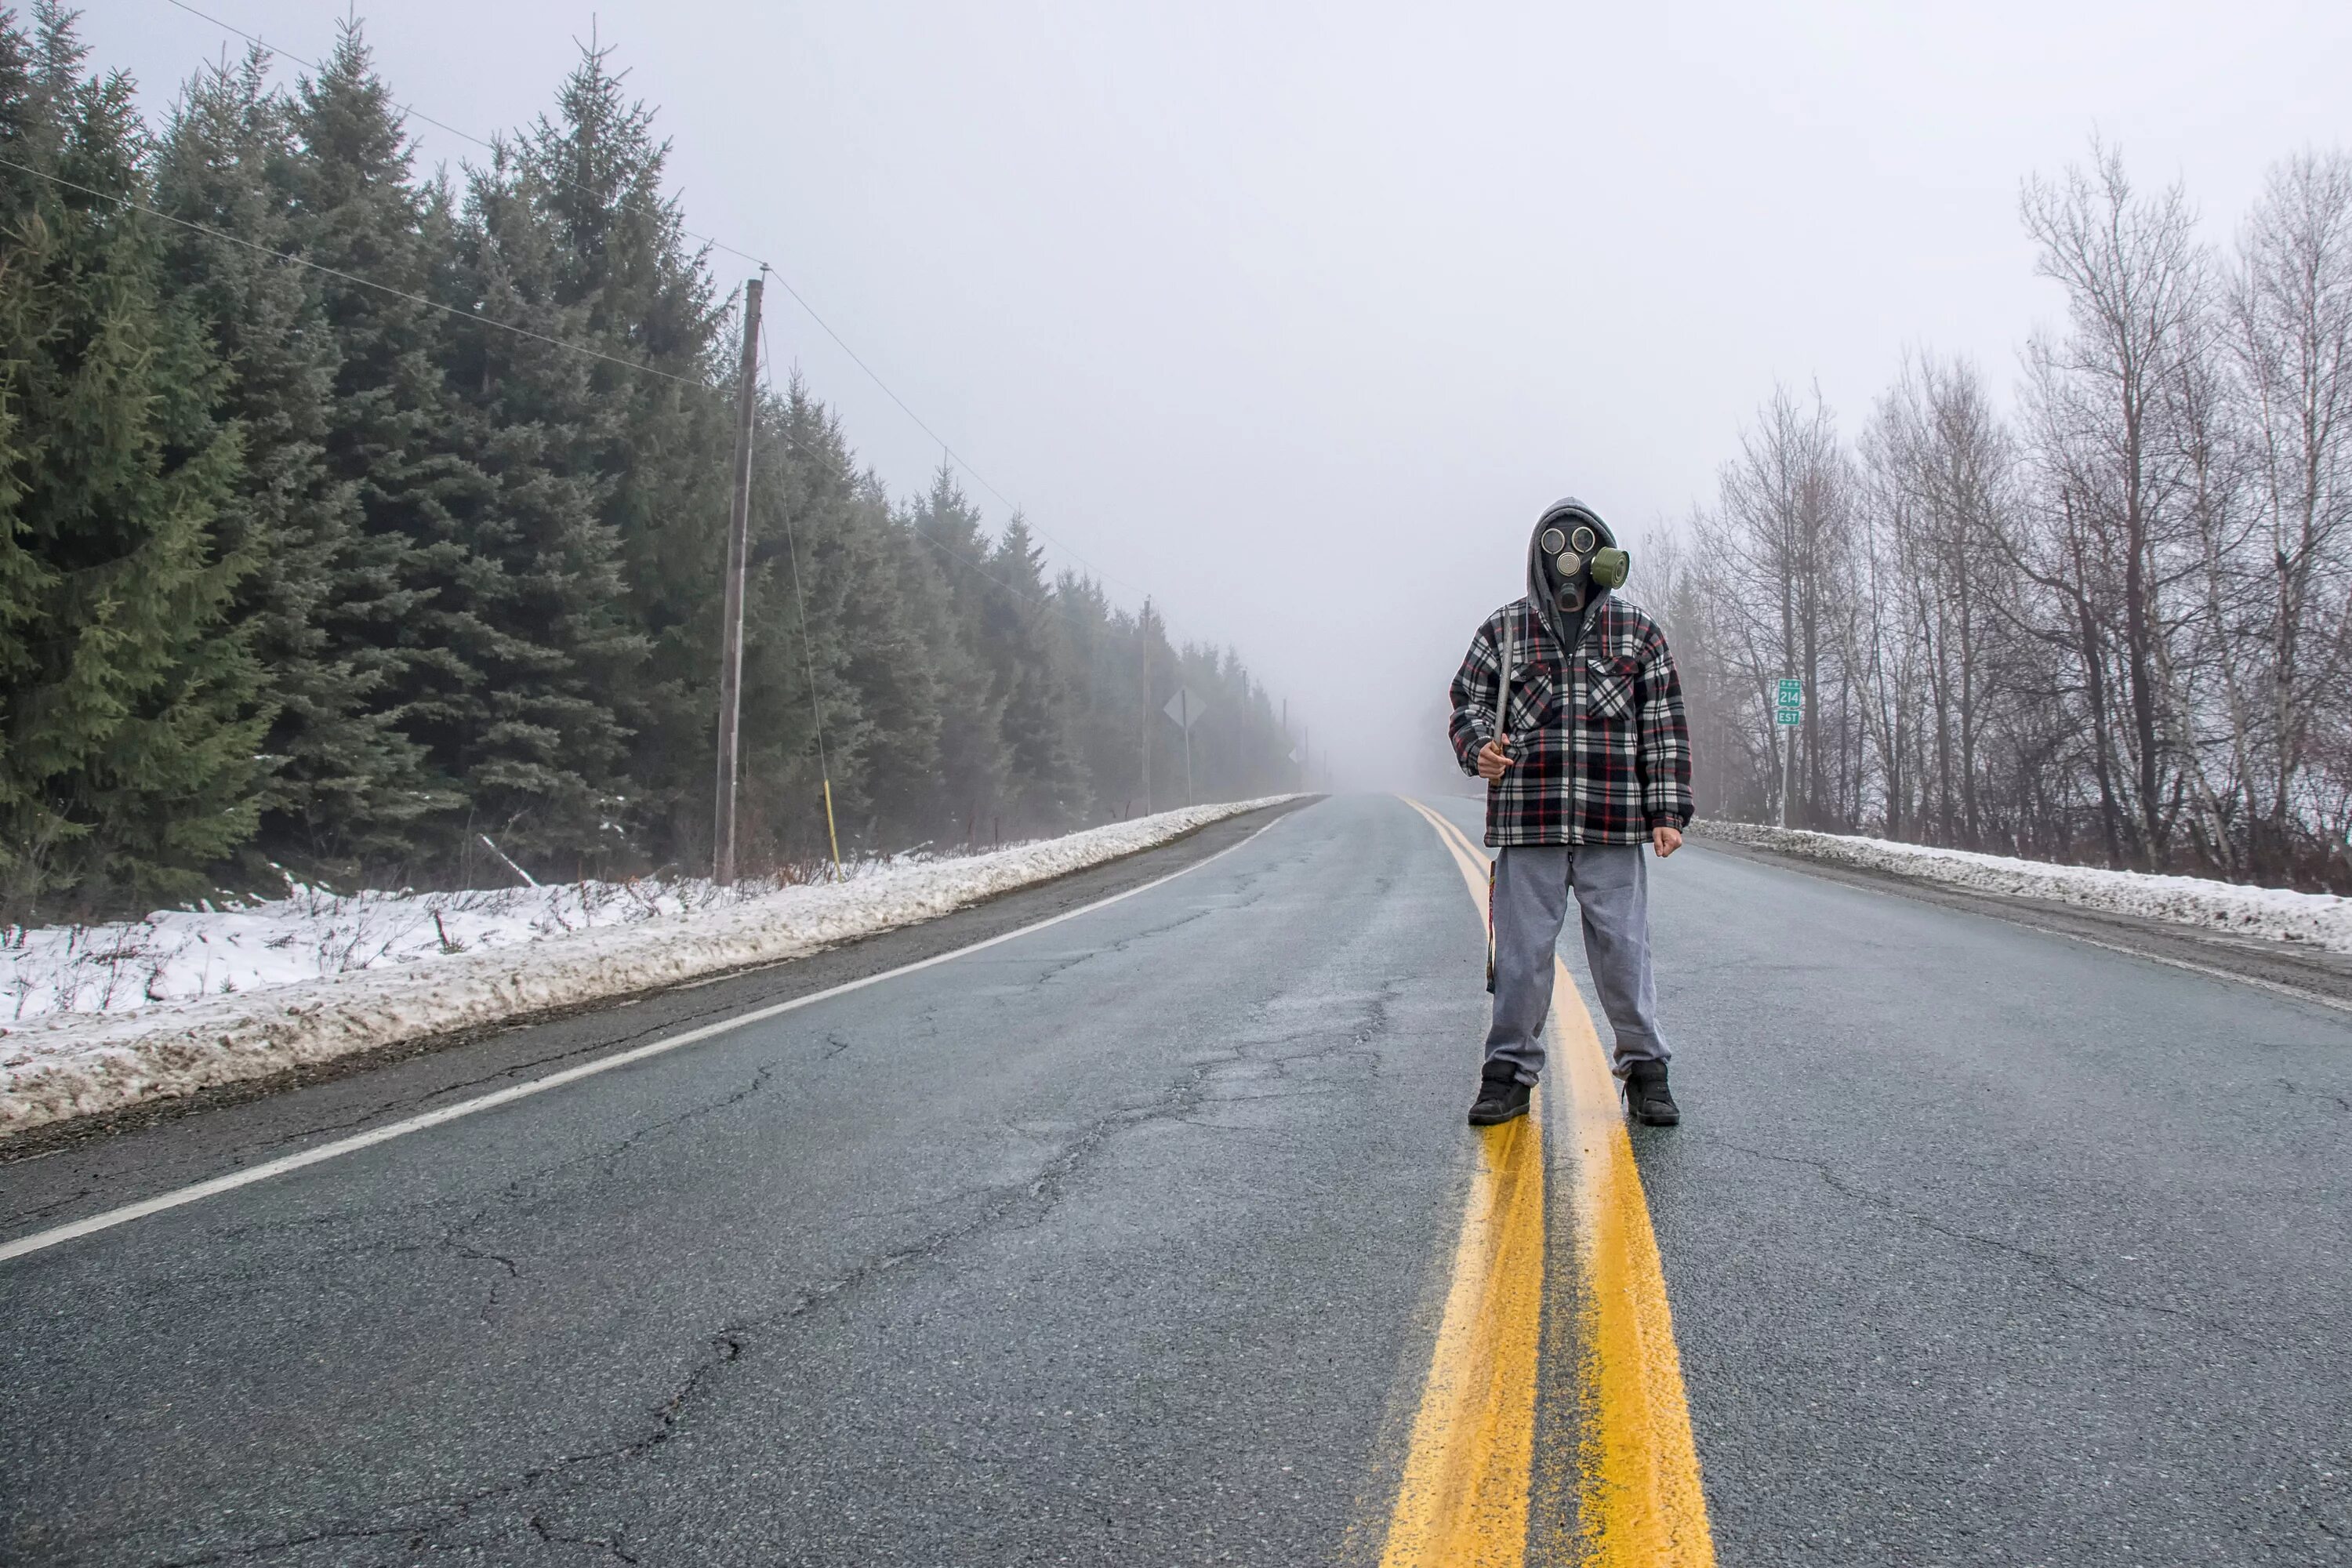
43,1239
2279,988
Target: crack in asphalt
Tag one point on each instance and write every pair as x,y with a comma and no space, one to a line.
1060,966
423,1099
1037,1195
454,1240
39,1211
545,1531
2051,1268
295,1543
453,1237
2339,1101
1373,1022
236,1153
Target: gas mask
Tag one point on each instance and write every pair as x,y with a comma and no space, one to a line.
1572,562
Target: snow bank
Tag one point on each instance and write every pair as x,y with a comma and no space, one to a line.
2322,919
108,1017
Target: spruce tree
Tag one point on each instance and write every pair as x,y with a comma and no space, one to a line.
1104,675
407,613
946,597
537,743
343,786
340,554
132,712
1045,789
659,436
880,619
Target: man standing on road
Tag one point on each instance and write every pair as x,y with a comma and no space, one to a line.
1591,761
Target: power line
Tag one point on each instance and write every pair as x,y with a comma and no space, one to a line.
411,111
463,315
954,457
840,469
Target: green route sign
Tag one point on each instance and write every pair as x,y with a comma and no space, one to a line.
1791,702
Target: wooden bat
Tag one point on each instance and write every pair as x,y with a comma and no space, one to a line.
1502,720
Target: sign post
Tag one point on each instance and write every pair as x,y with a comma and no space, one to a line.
1185,709
1788,712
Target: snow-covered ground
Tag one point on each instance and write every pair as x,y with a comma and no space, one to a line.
2321,920
95,1017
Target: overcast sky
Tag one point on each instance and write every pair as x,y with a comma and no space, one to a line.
1296,316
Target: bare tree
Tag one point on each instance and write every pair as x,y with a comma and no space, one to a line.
1779,543
2291,329
2122,629
2099,400
1941,482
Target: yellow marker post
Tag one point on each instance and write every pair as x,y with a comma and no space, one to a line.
831,833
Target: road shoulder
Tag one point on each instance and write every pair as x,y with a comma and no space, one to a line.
2306,974
54,1172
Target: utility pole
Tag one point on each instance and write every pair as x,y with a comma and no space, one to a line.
730,656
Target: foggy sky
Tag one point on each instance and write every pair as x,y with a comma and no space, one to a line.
1295,316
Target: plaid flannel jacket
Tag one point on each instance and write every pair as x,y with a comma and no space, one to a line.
1601,749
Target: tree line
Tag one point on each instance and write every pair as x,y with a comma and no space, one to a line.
338,564
2111,623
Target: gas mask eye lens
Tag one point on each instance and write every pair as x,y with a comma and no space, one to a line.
1554,541
1585,541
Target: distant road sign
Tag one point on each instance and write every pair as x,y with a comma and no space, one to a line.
1790,703
1184,708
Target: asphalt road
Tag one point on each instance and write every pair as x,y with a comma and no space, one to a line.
1126,1240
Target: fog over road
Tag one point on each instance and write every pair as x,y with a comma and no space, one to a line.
1128,1239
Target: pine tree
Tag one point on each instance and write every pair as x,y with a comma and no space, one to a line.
538,745
131,713
946,597
1047,790
406,612
619,264
343,786
1104,675
339,554
826,605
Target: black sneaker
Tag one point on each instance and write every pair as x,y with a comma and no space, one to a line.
1647,1098
1499,1099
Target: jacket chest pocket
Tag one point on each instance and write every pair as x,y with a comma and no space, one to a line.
1608,687
1534,700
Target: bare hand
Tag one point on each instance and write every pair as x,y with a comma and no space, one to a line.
1665,840
1492,759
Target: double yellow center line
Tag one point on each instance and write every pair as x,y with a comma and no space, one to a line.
1465,1497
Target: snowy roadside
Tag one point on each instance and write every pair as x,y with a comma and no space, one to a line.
240,994
2318,920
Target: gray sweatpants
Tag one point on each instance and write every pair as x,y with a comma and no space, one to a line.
1612,883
